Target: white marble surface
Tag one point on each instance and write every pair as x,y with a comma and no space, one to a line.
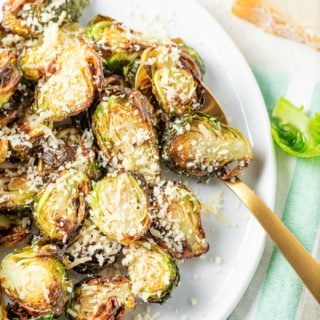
275,53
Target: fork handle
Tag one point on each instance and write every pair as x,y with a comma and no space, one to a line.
307,268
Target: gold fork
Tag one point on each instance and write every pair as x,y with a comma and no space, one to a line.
307,268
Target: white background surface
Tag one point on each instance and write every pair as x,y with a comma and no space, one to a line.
279,54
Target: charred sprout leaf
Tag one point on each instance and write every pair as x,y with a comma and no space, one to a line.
120,208
10,75
90,251
117,44
36,281
200,146
13,229
193,54
176,220
152,271
72,86
294,131
30,17
60,208
16,313
4,149
168,73
102,298
17,191
123,126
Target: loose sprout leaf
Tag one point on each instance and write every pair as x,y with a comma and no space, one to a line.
36,281
176,220
120,208
294,131
13,229
102,298
152,271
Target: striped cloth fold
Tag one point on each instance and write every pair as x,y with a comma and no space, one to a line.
275,291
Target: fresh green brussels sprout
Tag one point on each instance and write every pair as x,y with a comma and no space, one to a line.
117,44
152,271
13,229
34,279
199,145
60,208
90,251
122,124
120,207
30,17
193,54
10,75
17,191
165,70
102,298
72,86
176,220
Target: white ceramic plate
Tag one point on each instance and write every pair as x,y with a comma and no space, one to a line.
215,288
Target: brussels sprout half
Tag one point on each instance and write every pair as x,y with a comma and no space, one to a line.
16,191
30,17
13,229
152,271
72,87
102,298
199,145
117,44
176,220
60,208
90,251
168,73
120,208
10,75
122,124
34,279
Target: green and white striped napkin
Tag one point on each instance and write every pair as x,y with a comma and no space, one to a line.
276,292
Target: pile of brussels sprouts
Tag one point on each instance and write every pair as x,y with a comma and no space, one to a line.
86,117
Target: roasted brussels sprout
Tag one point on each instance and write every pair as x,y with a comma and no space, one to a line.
59,209
39,60
117,44
120,208
10,75
167,72
199,145
176,220
13,229
72,86
123,126
17,191
15,312
29,17
34,279
152,271
90,251
102,298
